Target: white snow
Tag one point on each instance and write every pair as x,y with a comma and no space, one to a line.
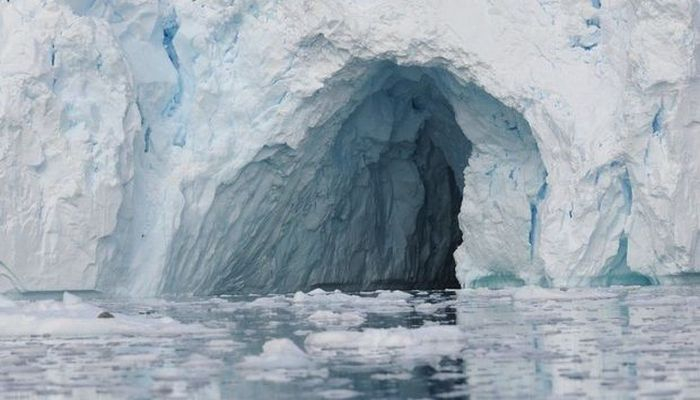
188,146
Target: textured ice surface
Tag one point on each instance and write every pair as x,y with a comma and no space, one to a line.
189,146
634,342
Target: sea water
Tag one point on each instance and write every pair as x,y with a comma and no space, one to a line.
620,342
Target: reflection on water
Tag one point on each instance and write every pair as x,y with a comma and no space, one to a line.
511,343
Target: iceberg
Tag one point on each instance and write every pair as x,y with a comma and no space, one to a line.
183,146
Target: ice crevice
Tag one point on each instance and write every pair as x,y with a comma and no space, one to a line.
170,27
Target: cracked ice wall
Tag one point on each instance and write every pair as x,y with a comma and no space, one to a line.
121,120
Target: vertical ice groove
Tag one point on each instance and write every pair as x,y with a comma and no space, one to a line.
53,54
145,128
627,190
534,224
656,122
170,27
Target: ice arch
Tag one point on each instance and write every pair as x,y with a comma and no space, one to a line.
411,163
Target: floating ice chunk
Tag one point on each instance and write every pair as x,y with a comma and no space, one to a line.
321,296
75,318
388,344
268,302
446,376
386,302
6,303
280,361
393,294
330,318
278,353
70,299
400,376
429,308
338,394
299,297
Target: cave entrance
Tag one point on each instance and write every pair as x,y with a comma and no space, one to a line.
376,189
369,200
396,169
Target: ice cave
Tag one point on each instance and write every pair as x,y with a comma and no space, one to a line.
371,197
182,147
349,199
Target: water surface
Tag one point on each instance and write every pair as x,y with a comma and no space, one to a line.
511,343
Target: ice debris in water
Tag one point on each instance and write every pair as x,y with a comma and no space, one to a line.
401,343
72,316
480,343
280,361
330,318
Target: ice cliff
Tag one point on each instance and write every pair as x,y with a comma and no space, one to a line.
180,146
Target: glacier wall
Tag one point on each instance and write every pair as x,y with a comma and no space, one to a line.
188,146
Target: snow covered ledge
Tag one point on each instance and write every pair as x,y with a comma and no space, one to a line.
605,92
